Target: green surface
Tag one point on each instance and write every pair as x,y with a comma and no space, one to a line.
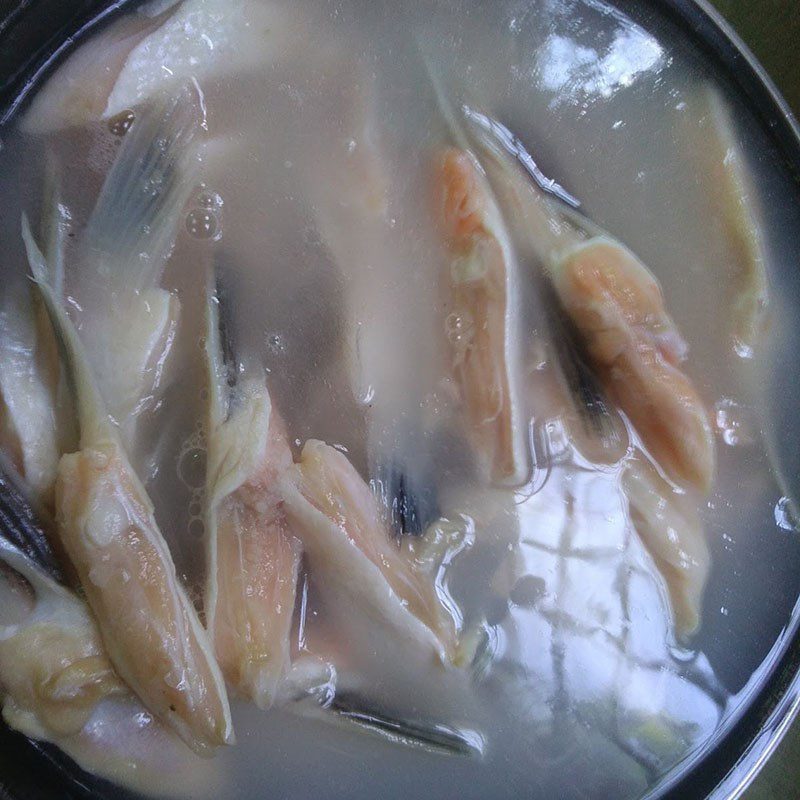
771,28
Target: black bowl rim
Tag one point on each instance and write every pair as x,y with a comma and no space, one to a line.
727,764
734,756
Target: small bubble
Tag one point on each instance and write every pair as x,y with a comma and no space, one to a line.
724,611
203,224
460,329
196,528
209,200
276,342
733,422
784,515
155,183
192,465
351,146
120,124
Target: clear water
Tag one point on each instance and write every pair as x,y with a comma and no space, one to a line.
588,696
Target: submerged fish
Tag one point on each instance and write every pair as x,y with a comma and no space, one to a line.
32,427
483,282
618,307
28,434
717,150
354,559
226,38
253,555
57,685
77,93
670,528
107,526
618,310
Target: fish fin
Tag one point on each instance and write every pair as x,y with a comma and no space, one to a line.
134,222
54,219
93,420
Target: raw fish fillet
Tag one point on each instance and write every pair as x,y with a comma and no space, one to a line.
618,309
636,350
253,556
483,296
717,150
28,433
201,39
352,556
57,685
106,523
668,525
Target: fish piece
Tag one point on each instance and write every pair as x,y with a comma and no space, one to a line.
31,426
128,324
618,308
569,404
57,685
716,148
668,525
28,433
107,526
203,38
130,370
352,556
53,668
482,282
77,92
253,556
619,312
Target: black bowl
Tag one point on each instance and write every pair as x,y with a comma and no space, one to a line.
36,34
